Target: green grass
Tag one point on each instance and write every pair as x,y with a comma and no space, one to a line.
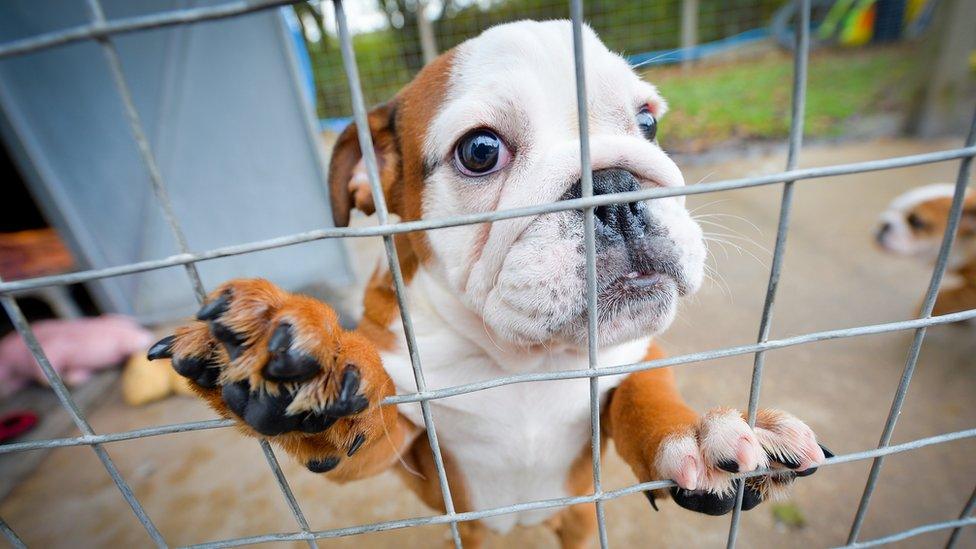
751,99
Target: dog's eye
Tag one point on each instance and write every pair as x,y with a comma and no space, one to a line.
481,152
646,123
916,222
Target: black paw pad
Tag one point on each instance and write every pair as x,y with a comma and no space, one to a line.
235,395
287,364
787,461
202,371
751,497
316,423
701,501
208,377
264,412
162,348
350,382
323,465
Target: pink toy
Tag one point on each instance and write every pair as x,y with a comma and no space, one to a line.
75,348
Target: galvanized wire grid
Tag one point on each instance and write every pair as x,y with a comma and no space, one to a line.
645,30
101,30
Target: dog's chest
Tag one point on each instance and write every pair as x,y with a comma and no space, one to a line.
514,443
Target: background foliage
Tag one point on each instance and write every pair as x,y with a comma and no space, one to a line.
388,58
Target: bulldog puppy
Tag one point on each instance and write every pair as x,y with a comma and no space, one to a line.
491,125
913,226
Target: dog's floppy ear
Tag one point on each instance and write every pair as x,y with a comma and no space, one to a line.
348,184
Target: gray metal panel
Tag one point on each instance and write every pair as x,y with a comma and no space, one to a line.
231,130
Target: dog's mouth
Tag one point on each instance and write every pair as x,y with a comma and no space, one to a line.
637,280
639,285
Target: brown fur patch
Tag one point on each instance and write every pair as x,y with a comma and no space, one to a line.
576,524
958,298
934,216
419,473
415,106
644,410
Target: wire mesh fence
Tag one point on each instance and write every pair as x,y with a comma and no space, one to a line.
103,31
390,50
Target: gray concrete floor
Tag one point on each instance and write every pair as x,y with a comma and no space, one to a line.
215,484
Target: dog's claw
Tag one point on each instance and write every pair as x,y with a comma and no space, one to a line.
214,308
787,462
827,454
323,465
356,443
162,348
202,371
649,494
729,465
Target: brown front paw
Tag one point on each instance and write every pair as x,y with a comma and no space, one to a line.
280,363
702,458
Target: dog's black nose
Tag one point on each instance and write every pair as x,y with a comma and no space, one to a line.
615,221
882,231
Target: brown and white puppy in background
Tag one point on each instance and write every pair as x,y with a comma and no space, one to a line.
491,125
913,226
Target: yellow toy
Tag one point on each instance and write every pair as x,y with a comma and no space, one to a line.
144,381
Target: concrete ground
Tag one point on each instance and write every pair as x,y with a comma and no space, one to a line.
215,484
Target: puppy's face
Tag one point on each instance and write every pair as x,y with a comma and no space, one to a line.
502,133
914,223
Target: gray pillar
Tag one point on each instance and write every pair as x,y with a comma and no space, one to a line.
689,28
428,44
944,82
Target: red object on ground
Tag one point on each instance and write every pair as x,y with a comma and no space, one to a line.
15,424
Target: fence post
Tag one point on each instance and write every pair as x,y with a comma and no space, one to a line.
943,82
689,30
428,43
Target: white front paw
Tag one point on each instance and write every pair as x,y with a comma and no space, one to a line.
702,458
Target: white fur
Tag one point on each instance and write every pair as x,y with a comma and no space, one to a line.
509,296
784,435
918,195
691,459
513,443
518,80
725,436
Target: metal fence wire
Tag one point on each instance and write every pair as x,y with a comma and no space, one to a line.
390,56
103,31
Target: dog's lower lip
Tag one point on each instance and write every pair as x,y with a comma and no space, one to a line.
642,280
